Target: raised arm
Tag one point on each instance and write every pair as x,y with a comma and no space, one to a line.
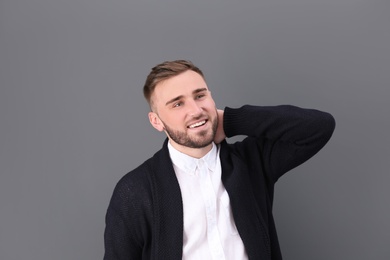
282,137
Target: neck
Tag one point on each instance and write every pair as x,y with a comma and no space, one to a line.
193,152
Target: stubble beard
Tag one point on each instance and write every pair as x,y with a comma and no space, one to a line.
201,140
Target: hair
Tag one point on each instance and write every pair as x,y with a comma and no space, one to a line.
164,71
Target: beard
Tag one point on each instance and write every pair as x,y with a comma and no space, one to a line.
199,140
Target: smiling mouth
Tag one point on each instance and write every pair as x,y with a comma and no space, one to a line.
197,124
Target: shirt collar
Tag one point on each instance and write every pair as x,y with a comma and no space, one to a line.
188,163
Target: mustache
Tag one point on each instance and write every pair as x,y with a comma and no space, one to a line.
199,116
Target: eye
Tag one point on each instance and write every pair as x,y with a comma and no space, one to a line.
200,96
177,104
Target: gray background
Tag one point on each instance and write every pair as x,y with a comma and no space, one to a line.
73,119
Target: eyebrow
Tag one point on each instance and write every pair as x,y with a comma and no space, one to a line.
181,96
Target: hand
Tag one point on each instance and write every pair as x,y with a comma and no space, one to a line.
220,133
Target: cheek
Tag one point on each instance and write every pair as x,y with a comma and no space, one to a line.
210,104
173,119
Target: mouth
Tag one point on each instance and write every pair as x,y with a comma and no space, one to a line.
197,124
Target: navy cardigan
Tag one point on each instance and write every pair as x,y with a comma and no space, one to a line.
144,219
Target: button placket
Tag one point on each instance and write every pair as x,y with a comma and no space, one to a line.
209,198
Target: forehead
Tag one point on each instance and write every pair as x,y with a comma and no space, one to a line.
181,85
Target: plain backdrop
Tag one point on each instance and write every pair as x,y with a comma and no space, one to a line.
73,119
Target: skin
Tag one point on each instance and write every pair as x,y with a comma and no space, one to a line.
181,102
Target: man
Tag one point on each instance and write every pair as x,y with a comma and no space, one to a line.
200,197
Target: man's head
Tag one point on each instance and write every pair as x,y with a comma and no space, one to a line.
182,106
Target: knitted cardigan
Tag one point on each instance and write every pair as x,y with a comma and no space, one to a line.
144,219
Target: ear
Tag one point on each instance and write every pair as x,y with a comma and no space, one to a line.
155,121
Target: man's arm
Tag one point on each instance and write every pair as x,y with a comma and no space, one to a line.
121,239
283,136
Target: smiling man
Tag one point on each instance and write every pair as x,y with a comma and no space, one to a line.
200,197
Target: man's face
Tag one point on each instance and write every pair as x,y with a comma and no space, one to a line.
184,109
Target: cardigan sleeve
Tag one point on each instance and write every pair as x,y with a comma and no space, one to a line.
128,219
283,136
119,240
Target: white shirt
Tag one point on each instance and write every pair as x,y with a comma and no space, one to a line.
209,229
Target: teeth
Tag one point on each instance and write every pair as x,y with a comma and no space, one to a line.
198,124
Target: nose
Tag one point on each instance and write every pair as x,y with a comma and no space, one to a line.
194,109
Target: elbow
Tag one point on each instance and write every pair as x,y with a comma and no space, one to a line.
329,125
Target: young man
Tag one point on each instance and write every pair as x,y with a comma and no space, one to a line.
200,197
